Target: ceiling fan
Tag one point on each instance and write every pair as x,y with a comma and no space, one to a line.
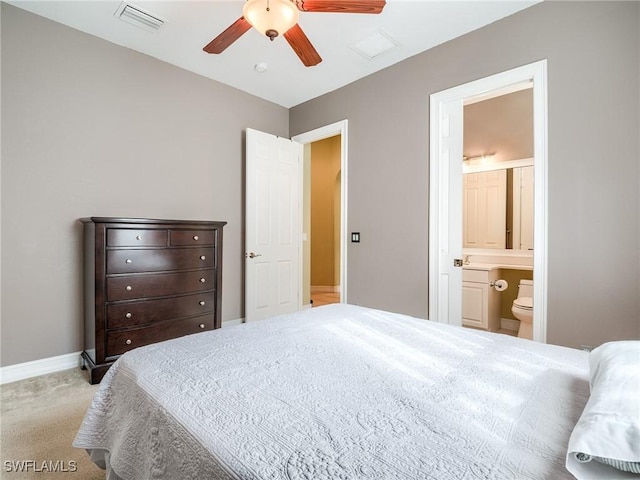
275,17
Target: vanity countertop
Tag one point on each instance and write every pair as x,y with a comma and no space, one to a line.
494,266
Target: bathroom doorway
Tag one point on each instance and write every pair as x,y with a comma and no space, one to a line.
446,191
498,211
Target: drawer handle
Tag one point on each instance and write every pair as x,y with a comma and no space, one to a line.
202,325
128,288
138,237
128,315
202,257
195,237
128,342
128,260
201,302
202,280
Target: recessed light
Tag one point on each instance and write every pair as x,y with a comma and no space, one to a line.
261,67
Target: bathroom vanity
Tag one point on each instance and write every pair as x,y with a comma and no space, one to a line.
482,304
480,301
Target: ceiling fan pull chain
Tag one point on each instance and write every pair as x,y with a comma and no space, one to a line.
271,33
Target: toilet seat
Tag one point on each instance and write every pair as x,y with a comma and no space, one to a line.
526,303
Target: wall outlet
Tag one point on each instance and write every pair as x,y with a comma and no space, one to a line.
586,348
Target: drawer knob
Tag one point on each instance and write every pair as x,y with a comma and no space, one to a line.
202,325
128,315
202,280
202,257
128,342
128,260
195,237
201,302
128,288
138,237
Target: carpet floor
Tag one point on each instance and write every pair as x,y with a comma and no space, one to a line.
39,418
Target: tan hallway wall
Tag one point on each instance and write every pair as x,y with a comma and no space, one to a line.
325,168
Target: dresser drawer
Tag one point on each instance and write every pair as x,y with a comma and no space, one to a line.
159,284
130,237
131,314
121,341
181,238
133,261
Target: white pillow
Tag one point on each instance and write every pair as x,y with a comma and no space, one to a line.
605,443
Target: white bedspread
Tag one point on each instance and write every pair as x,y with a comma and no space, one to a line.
339,392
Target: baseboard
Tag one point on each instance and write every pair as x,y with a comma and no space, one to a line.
230,323
509,324
325,289
35,368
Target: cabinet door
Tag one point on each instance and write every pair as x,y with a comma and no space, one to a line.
485,209
474,304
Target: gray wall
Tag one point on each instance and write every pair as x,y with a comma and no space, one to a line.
593,77
90,128
93,129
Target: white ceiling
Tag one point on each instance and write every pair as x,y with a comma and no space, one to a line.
415,26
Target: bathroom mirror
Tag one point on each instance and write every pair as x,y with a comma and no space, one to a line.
498,205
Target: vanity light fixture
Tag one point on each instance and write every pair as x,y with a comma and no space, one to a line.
483,159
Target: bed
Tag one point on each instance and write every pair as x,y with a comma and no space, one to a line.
338,392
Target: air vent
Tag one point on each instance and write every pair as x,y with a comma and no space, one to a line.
374,45
138,17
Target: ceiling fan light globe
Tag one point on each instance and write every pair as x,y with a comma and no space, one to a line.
271,15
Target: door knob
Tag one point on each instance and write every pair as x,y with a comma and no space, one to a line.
252,255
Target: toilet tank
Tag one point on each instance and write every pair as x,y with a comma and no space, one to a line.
525,288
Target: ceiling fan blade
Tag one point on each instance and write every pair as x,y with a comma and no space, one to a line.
341,6
302,46
226,38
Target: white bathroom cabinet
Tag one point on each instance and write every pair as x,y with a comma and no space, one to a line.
480,301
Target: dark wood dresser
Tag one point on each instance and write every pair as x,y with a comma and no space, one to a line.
147,281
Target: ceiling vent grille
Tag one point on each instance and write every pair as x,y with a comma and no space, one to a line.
138,17
374,45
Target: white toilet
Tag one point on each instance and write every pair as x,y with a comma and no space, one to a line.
522,308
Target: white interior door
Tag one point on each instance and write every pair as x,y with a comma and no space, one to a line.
445,282
272,236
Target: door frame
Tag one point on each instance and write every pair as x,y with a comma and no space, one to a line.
337,128
439,178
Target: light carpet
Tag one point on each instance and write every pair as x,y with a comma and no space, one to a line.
39,418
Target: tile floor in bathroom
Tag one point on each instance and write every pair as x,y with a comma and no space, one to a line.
504,331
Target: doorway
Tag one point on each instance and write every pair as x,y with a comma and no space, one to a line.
445,223
323,207
328,145
497,211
